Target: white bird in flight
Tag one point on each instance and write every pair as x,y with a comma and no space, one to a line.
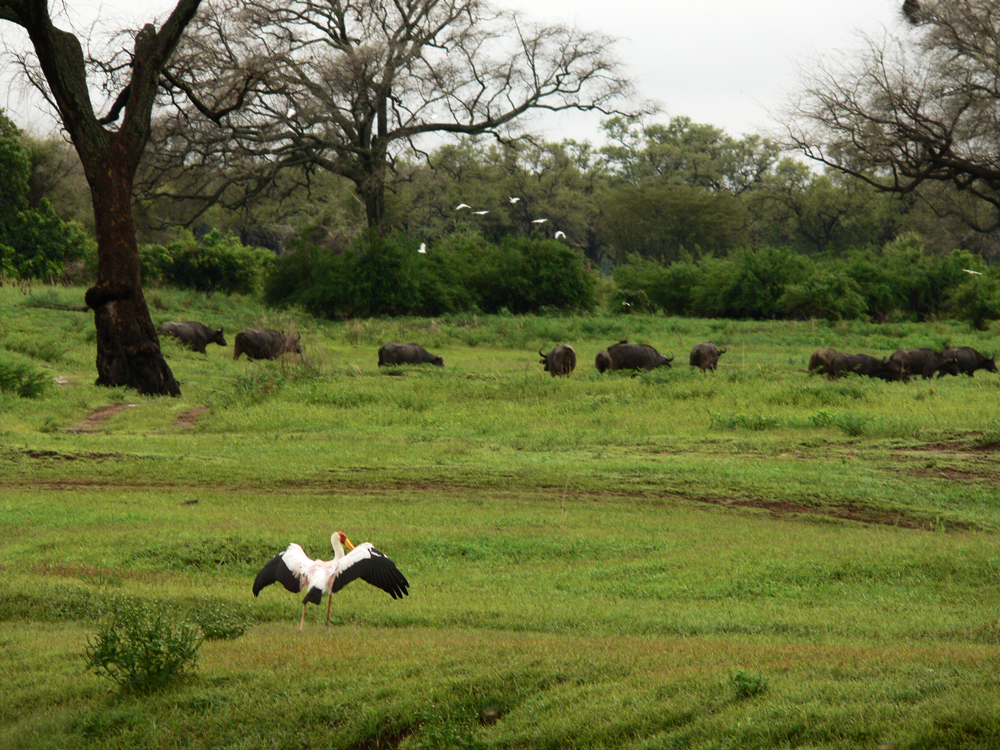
423,247
978,273
480,213
460,206
559,234
513,199
291,114
538,221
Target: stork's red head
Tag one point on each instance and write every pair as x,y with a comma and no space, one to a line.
344,540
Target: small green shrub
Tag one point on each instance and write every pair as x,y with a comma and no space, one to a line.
140,650
741,421
22,379
220,623
747,685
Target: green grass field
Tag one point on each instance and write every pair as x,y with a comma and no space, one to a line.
755,558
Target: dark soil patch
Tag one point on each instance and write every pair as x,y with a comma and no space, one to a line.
97,417
34,453
189,417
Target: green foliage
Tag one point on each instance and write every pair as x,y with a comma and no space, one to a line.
904,281
15,167
35,243
824,294
524,275
215,263
219,623
38,244
746,685
977,300
139,649
22,379
387,276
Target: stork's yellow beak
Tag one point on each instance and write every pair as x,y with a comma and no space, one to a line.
347,543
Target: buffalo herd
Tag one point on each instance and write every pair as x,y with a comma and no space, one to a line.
902,364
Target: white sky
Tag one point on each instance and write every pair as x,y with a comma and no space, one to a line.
728,63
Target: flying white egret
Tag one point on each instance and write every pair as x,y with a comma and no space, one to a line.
291,113
480,213
423,247
460,206
560,234
978,273
294,570
514,199
538,221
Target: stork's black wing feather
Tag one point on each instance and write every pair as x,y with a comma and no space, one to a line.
276,569
371,566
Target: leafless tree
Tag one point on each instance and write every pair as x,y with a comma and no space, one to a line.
347,85
110,147
915,109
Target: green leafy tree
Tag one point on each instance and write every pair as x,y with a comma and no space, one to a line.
35,242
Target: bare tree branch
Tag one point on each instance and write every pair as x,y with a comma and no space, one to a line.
346,86
916,109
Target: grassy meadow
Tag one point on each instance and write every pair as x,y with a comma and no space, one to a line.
755,558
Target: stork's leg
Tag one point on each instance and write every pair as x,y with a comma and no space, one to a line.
329,603
302,622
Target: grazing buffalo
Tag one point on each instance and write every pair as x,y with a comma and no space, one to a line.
195,335
925,362
969,360
266,344
863,364
407,354
820,361
560,361
602,361
706,355
626,356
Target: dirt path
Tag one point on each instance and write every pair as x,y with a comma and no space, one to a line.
96,419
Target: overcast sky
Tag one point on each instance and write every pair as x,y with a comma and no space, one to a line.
728,63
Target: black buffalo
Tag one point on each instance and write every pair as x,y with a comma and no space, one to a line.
864,364
706,355
264,344
820,360
626,356
925,362
969,360
407,354
602,361
560,361
195,335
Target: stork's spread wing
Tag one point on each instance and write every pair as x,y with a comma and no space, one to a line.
287,568
371,566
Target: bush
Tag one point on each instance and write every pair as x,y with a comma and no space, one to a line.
37,243
22,379
524,276
140,650
387,276
218,263
826,295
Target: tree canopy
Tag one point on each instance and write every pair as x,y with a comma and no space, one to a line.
304,85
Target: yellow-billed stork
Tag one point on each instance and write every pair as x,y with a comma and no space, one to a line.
294,570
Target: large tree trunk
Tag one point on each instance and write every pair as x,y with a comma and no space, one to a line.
128,349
